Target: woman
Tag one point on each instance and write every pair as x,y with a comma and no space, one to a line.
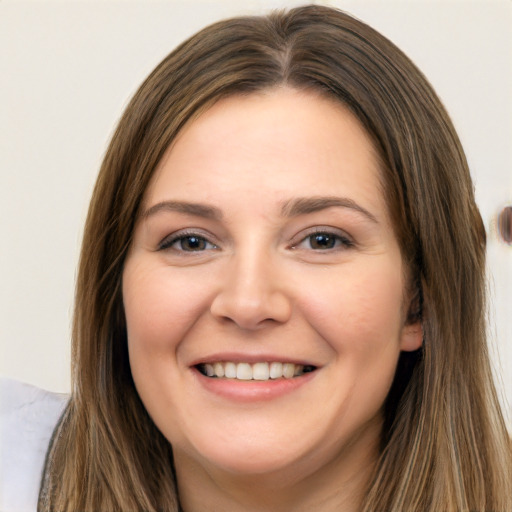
280,303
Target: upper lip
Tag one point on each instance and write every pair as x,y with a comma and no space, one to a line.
237,357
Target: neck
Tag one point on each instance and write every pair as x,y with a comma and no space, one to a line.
337,486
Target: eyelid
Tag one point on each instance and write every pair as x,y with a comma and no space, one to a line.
167,242
345,238
172,238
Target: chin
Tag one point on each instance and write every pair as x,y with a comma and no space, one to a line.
252,463
249,454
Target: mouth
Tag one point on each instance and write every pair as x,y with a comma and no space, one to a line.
261,371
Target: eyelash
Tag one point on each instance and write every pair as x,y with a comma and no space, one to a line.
168,243
340,241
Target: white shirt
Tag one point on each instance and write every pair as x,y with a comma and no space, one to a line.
28,416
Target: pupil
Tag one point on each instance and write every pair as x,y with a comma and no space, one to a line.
192,243
322,241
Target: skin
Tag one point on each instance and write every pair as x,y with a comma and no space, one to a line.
258,286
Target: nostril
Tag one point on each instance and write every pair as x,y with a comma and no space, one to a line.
250,309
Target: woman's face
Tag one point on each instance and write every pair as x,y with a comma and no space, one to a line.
265,254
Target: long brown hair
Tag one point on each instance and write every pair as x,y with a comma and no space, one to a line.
444,446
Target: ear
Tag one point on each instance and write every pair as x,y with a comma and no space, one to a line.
411,337
412,331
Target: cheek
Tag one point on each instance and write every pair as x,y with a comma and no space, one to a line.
159,307
358,310
358,314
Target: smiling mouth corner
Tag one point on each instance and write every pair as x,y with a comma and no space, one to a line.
256,372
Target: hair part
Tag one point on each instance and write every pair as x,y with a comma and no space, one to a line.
444,445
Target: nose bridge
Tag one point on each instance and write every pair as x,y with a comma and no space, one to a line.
252,291
253,281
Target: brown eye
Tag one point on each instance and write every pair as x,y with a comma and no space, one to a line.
192,243
187,243
323,241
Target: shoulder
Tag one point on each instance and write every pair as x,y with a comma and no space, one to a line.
28,416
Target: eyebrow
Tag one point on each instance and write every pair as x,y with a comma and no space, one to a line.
304,205
291,208
196,209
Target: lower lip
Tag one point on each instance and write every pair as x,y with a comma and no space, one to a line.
252,390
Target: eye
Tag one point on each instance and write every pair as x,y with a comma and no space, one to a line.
324,241
187,242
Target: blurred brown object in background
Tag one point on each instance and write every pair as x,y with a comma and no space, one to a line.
505,224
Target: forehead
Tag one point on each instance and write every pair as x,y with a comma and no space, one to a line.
275,144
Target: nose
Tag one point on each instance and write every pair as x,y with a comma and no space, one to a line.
252,294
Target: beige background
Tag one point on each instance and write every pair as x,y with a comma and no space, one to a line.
67,70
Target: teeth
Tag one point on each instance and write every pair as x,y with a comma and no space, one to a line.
218,369
243,371
230,370
257,371
276,370
260,371
288,370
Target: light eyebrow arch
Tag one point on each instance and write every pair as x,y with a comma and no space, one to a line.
195,209
305,205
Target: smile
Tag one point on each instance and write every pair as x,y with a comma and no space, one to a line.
261,371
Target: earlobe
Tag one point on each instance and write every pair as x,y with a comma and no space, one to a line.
412,337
